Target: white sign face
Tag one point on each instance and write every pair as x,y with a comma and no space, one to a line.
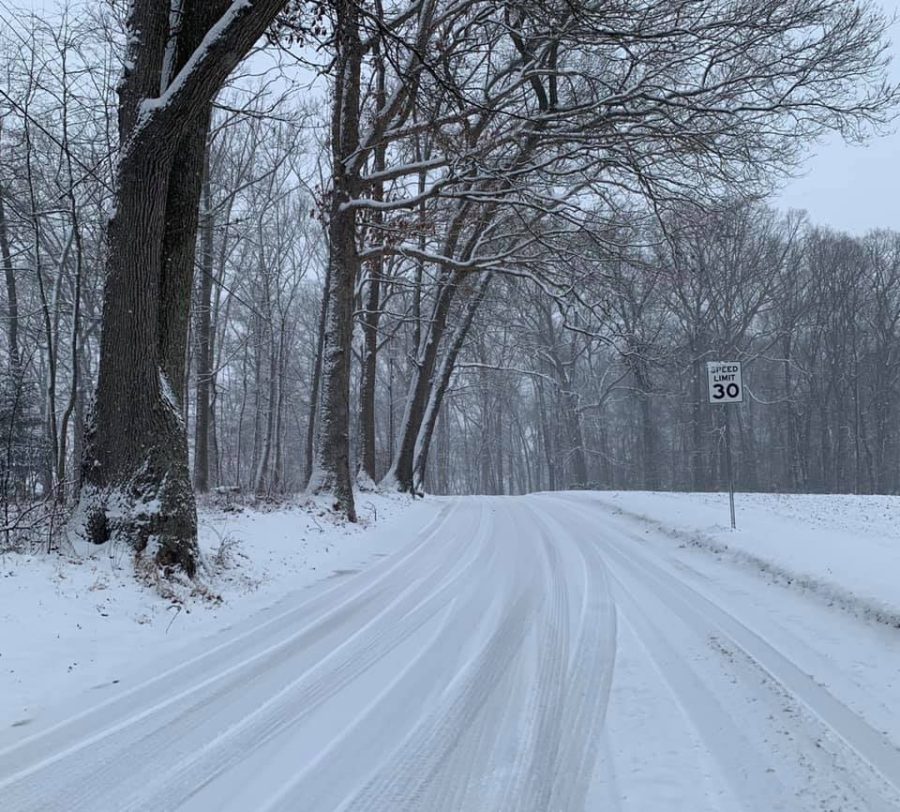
725,381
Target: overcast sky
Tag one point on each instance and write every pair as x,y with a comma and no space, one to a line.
853,188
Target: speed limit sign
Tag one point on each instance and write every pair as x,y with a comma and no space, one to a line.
725,382
725,386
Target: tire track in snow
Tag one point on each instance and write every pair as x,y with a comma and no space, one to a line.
69,734
545,655
512,772
746,770
415,780
415,600
420,774
172,720
471,672
321,781
870,746
638,571
588,676
550,707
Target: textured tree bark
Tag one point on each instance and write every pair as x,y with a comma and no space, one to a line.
331,472
188,170
204,346
136,482
135,473
179,250
136,459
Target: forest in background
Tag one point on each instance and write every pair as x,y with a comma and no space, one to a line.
452,250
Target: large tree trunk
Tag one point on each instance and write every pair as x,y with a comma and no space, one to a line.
135,466
331,472
136,456
179,250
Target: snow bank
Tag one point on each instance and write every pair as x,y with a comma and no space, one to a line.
844,548
82,621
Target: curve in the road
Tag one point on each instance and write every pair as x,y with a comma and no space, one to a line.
518,655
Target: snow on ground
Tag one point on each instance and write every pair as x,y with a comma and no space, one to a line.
843,548
81,621
514,654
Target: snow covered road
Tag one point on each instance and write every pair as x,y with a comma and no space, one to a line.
523,654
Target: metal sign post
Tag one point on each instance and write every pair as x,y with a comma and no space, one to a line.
725,387
729,465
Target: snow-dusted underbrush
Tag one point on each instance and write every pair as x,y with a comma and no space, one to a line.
32,526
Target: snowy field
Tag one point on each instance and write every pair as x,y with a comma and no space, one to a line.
569,651
843,548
